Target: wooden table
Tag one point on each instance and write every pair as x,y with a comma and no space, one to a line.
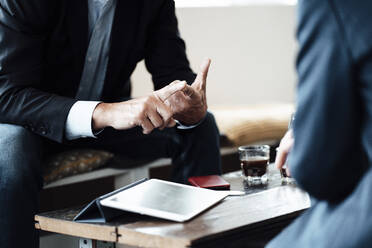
238,221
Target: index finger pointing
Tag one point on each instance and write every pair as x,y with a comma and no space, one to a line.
169,90
201,78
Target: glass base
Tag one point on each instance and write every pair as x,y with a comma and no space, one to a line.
263,180
288,180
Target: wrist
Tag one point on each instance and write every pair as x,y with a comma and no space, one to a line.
100,118
191,119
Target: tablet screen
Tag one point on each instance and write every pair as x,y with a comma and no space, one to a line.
165,199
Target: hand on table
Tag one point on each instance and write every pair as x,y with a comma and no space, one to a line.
190,105
283,150
149,112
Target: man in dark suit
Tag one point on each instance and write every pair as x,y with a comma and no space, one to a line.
331,155
64,79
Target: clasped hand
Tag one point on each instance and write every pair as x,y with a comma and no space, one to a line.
178,101
190,105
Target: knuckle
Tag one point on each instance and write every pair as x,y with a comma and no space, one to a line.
141,113
144,126
161,122
141,116
168,115
154,96
151,97
157,124
145,105
149,129
183,105
148,101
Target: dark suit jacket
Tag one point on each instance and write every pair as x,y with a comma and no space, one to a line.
42,51
332,153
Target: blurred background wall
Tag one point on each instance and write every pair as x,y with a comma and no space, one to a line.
252,46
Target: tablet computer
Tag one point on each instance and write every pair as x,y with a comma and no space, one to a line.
163,199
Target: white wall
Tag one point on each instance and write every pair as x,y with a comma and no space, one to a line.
252,48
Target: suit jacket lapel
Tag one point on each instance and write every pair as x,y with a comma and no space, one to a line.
77,14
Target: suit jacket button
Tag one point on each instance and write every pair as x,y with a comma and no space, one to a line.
43,130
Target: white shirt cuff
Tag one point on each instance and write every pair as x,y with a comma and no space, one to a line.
79,120
181,126
185,127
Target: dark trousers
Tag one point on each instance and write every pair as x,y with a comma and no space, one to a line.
194,152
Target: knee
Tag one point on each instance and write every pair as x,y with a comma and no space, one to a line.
20,158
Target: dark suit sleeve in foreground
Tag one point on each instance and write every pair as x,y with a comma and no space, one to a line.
23,29
165,57
326,159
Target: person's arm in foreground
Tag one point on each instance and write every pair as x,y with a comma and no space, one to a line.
324,159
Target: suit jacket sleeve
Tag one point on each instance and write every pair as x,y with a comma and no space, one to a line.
165,55
326,159
24,26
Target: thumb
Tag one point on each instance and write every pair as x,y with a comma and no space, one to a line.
201,79
189,91
169,90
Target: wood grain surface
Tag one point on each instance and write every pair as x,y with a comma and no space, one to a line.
262,209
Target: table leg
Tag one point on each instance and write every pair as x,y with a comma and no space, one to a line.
90,243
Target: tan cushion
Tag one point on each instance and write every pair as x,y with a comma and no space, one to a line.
74,162
246,124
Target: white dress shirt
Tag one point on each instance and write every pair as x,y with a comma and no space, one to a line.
79,119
